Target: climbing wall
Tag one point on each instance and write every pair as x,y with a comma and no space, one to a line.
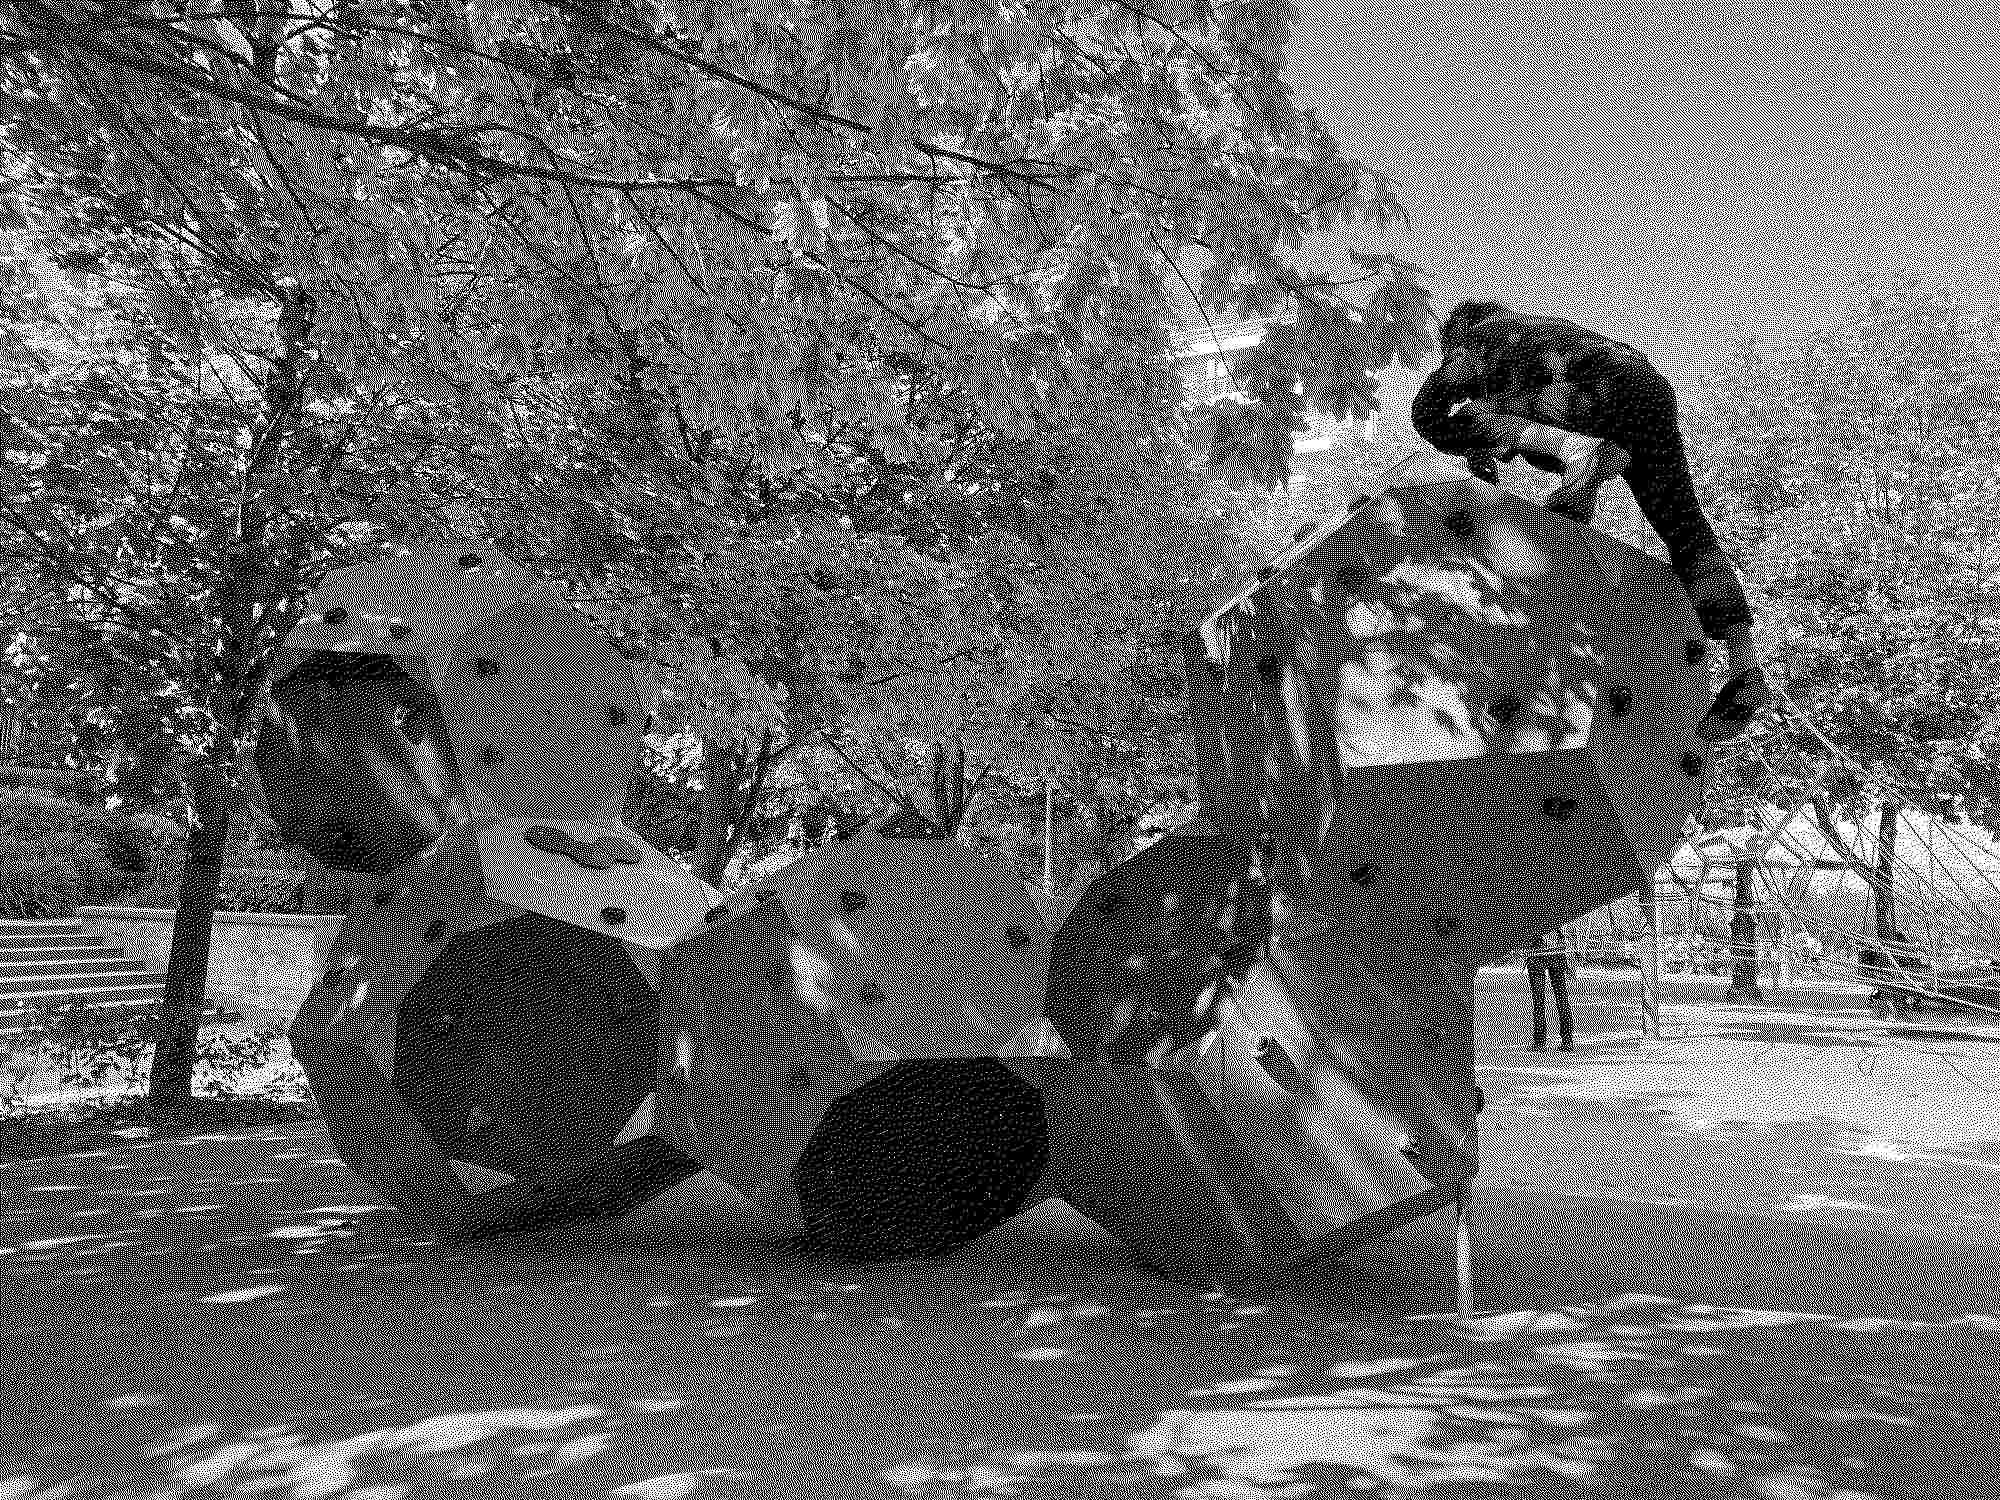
1432,729
1452,720
833,1041
482,1042
1428,732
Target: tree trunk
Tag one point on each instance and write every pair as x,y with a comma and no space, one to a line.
1887,825
949,794
1111,833
1744,953
732,786
178,1022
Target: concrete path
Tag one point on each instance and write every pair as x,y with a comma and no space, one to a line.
1739,1262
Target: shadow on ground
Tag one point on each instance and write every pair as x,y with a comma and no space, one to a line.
230,1316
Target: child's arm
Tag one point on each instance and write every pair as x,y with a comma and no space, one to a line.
1456,380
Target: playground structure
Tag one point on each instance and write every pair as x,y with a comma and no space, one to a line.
1428,731
1786,889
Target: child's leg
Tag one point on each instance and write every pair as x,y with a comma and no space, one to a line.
1538,987
1565,1024
1641,414
1585,463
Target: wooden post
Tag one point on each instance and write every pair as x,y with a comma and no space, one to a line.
1463,1226
1649,959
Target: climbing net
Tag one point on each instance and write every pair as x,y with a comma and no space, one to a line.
1812,883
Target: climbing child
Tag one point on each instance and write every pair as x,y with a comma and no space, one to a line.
1577,403
1549,968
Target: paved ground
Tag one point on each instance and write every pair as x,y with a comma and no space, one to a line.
1757,1258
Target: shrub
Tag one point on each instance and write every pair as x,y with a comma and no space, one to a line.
166,833
253,889
98,879
52,779
91,1048
113,851
37,819
34,883
127,844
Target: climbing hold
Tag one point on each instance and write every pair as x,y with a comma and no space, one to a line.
1692,763
1460,523
870,993
334,616
1214,667
1444,926
1502,709
1696,650
612,915
715,914
1559,808
382,897
1268,668
798,1080
486,666
598,854
766,895
853,901
398,631
1363,874
333,976
489,755
1621,700
1350,576
468,559
1017,935
613,714
1266,573
435,931
1109,902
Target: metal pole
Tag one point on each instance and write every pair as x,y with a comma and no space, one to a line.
1462,1202
1649,959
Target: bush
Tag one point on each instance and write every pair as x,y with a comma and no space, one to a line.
37,818
92,1049
127,844
98,879
97,839
34,883
276,890
51,779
